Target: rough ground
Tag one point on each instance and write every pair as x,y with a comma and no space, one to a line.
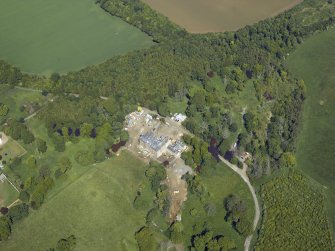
177,186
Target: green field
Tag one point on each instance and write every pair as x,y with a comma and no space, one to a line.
8,194
44,36
220,183
97,208
21,102
314,62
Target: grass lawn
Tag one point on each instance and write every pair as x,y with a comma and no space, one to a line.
8,194
45,36
314,62
220,183
11,150
97,208
16,98
51,156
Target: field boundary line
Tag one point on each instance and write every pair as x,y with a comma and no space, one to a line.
24,151
17,200
11,183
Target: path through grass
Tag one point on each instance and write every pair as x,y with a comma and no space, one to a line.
220,182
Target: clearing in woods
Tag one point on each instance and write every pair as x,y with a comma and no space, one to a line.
199,16
314,62
45,36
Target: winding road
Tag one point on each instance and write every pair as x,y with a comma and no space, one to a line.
244,176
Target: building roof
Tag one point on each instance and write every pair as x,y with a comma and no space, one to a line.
177,147
155,143
180,117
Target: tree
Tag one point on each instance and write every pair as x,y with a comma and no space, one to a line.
99,155
86,129
44,171
58,173
287,160
249,121
66,244
163,109
145,239
176,232
18,212
37,199
236,212
5,228
187,157
3,110
24,196
111,105
64,164
233,127
4,210
200,241
59,143
27,136
243,226
41,145
31,161
55,77
156,173
84,157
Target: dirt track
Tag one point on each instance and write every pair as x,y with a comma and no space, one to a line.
244,176
177,186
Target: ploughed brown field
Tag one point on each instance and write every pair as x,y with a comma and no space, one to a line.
201,16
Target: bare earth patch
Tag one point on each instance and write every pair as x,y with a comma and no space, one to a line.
200,16
177,187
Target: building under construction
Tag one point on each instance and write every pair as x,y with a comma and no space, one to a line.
156,145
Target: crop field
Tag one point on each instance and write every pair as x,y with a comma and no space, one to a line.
294,215
45,36
198,16
220,183
314,62
97,208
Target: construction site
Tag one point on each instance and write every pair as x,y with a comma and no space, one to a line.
152,137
